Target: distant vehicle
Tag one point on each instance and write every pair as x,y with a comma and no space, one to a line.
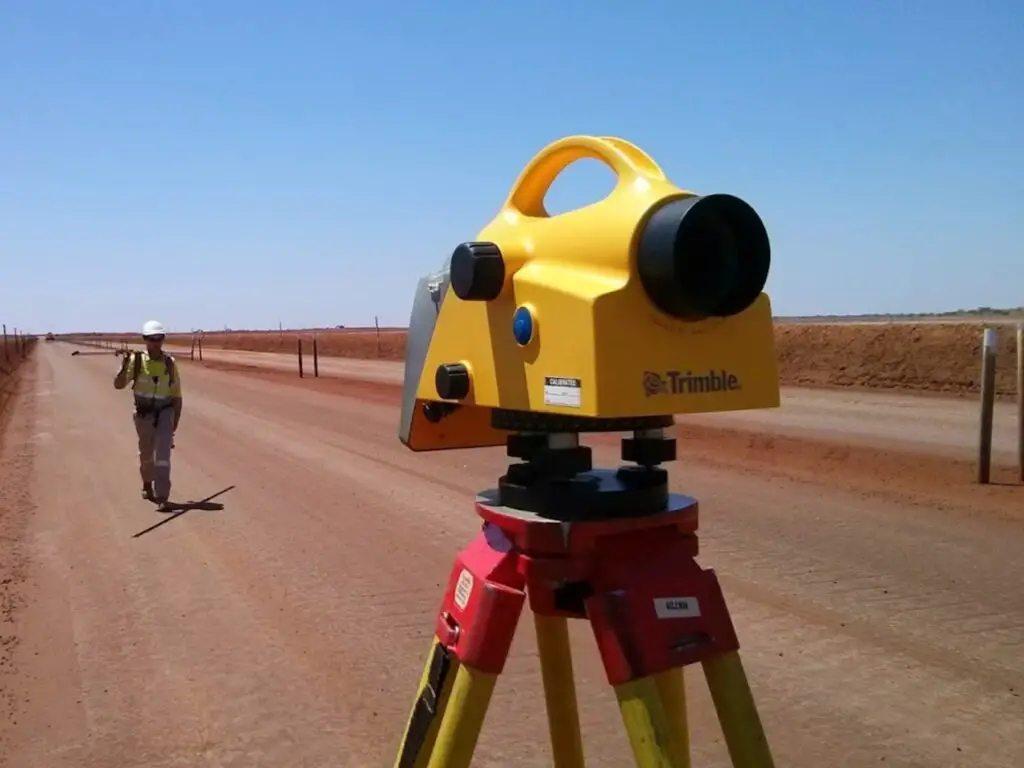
50,337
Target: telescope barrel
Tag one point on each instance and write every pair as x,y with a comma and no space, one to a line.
701,257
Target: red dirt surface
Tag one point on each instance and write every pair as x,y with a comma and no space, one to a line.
916,357
288,627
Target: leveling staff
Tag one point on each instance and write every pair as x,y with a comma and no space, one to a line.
156,386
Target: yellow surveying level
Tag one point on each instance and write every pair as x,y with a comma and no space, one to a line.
609,318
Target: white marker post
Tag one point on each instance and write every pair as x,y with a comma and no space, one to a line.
1020,401
988,382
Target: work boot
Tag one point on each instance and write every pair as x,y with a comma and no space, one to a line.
147,491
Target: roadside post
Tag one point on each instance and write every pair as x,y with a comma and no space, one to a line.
988,381
1020,401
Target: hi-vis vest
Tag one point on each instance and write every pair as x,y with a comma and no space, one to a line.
154,381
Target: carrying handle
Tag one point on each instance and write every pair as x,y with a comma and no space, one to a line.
626,160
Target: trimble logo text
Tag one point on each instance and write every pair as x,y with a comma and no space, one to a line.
689,383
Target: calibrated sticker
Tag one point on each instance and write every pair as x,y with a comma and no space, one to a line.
559,390
463,589
676,607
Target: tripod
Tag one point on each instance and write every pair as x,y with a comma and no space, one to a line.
613,547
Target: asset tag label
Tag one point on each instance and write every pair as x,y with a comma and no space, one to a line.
463,589
676,607
560,390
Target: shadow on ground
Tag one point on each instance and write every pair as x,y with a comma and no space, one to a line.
177,509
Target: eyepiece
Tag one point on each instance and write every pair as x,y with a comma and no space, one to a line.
702,257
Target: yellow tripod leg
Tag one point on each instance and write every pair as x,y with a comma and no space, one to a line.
653,737
429,708
559,691
737,713
463,718
672,690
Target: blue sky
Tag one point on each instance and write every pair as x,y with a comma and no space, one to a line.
242,164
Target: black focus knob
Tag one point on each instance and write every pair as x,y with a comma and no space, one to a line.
477,271
452,381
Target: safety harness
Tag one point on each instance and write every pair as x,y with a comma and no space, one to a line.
143,408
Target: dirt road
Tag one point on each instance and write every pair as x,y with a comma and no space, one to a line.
940,425
369,370
288,628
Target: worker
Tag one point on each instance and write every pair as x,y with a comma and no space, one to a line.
156,385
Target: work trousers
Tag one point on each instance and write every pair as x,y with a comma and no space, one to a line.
156,435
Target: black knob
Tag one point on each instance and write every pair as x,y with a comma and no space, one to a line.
452,381
477,271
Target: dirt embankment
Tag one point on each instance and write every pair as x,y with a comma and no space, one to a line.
922,357
16,409
918,357
14,352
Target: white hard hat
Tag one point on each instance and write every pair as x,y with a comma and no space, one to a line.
153,328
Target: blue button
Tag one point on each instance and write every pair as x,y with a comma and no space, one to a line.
522,326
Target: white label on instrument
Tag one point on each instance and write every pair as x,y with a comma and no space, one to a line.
559,390
463,589
676,607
